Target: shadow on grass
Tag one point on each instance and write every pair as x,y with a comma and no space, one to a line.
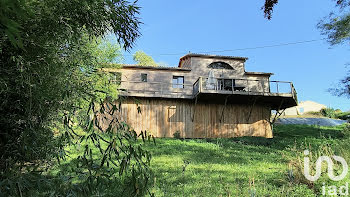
37,184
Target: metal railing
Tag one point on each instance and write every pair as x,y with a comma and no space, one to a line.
236,85
206,85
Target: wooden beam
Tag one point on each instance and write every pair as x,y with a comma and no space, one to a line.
194,108
251,108
278,114
223,109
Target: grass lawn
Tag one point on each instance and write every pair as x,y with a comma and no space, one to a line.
241,166
247,166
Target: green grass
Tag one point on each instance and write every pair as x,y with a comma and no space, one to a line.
228,167
247,166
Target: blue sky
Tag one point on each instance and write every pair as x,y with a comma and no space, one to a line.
177,27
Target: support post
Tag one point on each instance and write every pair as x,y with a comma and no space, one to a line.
251,108
232,87
223,109
194,108
200,84
278,113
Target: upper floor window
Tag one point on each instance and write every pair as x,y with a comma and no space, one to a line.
143,77
178,82
301,109
220,65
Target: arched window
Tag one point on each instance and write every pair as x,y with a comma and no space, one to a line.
220,65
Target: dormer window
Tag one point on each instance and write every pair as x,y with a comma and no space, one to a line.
220,65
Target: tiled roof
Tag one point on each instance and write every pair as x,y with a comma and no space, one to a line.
212,56
153,67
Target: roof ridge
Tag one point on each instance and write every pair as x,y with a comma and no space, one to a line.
213,55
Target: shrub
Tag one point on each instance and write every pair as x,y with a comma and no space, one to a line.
177,135
328,112
343,115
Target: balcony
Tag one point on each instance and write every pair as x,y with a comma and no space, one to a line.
156,89
277,94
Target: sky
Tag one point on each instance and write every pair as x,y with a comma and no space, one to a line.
173,28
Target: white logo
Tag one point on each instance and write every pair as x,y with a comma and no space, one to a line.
329,162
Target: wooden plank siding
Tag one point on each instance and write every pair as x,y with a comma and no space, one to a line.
164,117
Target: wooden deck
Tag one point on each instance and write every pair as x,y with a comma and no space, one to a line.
275,94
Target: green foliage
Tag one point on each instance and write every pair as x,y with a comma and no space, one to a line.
328,112
52,90
332,113
337,27
141,58
9,27
115,154
177,135
343,115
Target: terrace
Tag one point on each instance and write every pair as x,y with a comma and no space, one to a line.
278,94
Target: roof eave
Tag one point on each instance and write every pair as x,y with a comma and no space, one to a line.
154,67
258,73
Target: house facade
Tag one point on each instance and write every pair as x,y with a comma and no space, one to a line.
304,107
206,96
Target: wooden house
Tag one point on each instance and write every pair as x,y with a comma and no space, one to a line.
206,96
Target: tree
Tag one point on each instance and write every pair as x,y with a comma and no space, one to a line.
50,87
268,8
336,27
141,58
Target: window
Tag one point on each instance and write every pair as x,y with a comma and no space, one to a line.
178,82
301,110
143,77
220,65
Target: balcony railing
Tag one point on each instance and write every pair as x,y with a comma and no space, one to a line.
208,85
155,89
243,86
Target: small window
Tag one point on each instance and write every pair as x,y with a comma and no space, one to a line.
143,77
178,82
301,110
220,65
